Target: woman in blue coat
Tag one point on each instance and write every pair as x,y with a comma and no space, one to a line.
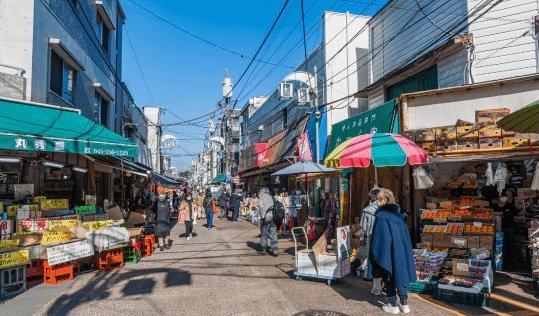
391,256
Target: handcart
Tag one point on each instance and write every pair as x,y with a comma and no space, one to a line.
329,267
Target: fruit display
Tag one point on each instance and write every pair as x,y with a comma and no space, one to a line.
463,213
448,205
444,213
429,214
455,228
483,214
467,201
480,263
447,267
434,229
479,228
459,281
458,253
428,264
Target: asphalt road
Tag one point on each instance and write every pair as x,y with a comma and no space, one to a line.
217,272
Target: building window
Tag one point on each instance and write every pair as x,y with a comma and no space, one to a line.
285,118
101,106
424,80
62,78
103,33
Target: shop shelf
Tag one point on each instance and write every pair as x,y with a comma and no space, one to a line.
58,273
34,269
110,260
12,281
456,297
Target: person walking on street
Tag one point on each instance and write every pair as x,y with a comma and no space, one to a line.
199,201
268,229
208,205
175,201
222,205
188,209
366,225
235,204
391,254
162,212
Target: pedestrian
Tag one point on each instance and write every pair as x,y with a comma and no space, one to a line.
209,204
162,213
509,212
391,256
175,201
366,225
235,203
188,209
268,229
199,201
222,205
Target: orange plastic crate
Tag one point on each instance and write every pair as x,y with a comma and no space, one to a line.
110,260
34,268
59,273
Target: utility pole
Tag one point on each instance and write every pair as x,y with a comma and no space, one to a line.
314,92
227,95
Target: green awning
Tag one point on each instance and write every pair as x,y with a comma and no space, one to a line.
383,119
220,178
525,120
41,127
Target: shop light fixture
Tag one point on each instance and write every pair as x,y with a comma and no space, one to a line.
79,169
10,159
51,164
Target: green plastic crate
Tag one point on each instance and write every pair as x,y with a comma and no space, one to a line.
131,255
456,297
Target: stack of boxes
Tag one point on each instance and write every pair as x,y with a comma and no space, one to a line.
483,134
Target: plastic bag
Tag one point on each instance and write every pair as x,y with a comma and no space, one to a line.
535,182
422,180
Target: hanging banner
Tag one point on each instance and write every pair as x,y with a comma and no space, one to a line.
62,223
85,209
9,244
55,237
69,252
15,258
304,149
59,204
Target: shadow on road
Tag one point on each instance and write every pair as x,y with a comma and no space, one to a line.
319,313
138,283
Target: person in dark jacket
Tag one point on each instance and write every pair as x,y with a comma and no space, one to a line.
162,227
391,254
175,201
235,203
207,204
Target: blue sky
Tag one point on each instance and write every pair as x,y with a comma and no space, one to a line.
184,74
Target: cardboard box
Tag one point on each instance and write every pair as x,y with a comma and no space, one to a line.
490,131
461,267
133,232
427,238
486,242
526,192
136,220
446,133
467,132
441,240
429,146
513,142
489,143
115,213
467,145
458,242
425,135
492,115
449,145
409,134
473,242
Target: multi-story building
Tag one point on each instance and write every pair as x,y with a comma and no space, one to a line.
153,117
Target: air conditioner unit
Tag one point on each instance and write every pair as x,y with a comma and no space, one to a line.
287,90
303,95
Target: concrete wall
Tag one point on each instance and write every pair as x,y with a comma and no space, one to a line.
445,107
12,86
16,36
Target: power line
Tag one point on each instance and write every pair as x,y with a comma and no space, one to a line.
200,38
138,64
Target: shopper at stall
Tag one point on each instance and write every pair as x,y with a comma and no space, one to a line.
208,205
268,229
162,214
366,225
235,203
509,212
391,253
187,208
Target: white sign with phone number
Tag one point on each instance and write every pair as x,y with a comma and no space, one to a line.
69,252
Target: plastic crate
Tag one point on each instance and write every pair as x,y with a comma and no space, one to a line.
131,255
12,280
34,269
59,273
456,297
421,287
110,260
148,245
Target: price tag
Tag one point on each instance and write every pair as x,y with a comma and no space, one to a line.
60,204
12,210
460,241
55,237
14,258
39,198
455,218
8,244
63,223
440,220
478,224
85,209
463,267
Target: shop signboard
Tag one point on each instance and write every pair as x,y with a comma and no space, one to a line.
12,210
9,244
14,258
5,230
343,242
23,214
7,182
62,223
85,209
56,237
57,204
22,190
28,226
69,252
